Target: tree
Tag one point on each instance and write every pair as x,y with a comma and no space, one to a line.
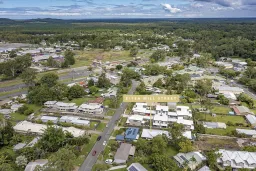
40,94
69,57
12,54
52,139
76,91
103,82
127,77
119,67
158,55
49,79
91,83
212,158
134,51
158,83
163,163
203,87
28,76
186,146
100,167
60,91
93,90
51,62
223,100
21,161
158,145
63,159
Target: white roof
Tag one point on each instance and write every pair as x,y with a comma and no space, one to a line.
85,122
65,104
25,126
187,134
243,158
71,118
250,132
149,134
229,95
185,121
32,165
136,117
251,118
50,118
164,108
228,88
160,117
91,106
50,102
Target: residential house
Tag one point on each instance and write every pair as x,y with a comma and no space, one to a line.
74,120
15,107
33,142
5,111
123,152
70,107
226,65
91,108
112,92
213,125
46,119
31,166
131,134
251,119
29,127
136,167
237,159
248,132
205,168
241,110
224,89
183,159
19,146
136,120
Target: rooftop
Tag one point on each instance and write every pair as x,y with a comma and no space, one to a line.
131,133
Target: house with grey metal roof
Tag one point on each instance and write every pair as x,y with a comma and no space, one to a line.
242,110
19,146
205,168
46,119
251,119
213,125
136,167
32,165
123,152
192,159
248,132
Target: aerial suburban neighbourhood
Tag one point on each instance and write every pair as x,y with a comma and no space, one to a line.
63,83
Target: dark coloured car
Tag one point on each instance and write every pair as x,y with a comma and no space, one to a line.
99,137
94,153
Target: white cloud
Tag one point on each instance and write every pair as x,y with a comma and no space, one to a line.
171,9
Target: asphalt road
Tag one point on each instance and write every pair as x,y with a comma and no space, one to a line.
70,75
98,146
246,90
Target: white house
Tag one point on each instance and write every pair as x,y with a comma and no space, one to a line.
237,159
74,120
53,119
185,159
91,108
137,120
66,106
50,104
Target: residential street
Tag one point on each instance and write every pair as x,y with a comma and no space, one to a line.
91,160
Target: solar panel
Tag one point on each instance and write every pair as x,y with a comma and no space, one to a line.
132,168
183,158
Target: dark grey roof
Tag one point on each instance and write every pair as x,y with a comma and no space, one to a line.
136,167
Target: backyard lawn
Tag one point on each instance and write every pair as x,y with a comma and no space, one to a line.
226,131
101,126
220,110
16,117
110,112
80,101
222,118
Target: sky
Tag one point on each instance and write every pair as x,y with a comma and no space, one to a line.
87,9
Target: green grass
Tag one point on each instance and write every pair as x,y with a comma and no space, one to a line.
170,151
107,150
221,110
15,117
218,131
101,126
222,118
35,108
122,121
111,112
86,149
11,82
12,92
92,124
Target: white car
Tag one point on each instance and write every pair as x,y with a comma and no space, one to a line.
109,161
104,143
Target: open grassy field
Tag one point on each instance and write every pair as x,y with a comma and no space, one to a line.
220,131
110,112
222,118
221,109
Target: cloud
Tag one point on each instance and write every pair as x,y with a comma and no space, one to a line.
225,3
171,9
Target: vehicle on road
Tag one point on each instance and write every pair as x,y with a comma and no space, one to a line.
109,161
105,143
94,153
99,137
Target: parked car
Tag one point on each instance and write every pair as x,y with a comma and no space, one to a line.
94,153
104,143
99,137
109,161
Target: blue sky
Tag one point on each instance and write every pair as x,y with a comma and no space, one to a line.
83,9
